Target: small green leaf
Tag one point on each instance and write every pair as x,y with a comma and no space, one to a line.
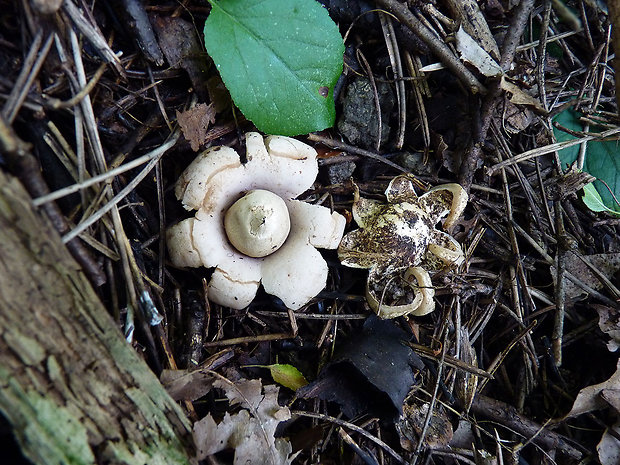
279,59
593,200
601,160
287,375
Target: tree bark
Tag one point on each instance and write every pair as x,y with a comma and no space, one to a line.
73,390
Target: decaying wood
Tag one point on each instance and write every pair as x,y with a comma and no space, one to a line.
507,415
71,387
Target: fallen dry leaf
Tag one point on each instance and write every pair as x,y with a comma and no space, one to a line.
181,46
411,424
612,397
251,431
609,323
609,447
463,436
370,374
590,398
195,122
471,52
520,97
466,383
607,263
516,118
186,384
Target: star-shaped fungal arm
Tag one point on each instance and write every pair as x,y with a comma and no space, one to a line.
398,242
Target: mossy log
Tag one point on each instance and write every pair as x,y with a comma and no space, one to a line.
73,390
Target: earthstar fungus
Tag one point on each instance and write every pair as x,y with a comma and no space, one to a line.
248,225
399,243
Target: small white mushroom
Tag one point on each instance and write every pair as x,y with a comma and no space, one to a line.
258,223
244,214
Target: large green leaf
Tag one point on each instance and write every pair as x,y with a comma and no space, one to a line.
280,60
602,160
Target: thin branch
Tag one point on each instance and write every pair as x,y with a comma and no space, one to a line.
437,46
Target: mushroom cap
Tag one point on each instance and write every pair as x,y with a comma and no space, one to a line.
258,223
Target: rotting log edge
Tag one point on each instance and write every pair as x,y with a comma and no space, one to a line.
70,386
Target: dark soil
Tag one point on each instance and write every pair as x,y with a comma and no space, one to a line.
512,340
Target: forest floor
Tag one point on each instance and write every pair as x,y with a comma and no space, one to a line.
526,322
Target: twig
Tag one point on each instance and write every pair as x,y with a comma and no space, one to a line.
560,289
426,352
93,34
365,456
614,18
539,151
542,54
431,405
508,416
470,161
420,89
550,39
57,104
351,426
160,102
338,145
161,215
456,457
397,68
314,316
142,31
518,294
162,337
433,42
249,339
96,179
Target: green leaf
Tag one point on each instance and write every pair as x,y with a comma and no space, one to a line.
287,375
593,200
279,59
601,160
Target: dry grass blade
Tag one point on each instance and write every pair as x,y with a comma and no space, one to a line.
154,158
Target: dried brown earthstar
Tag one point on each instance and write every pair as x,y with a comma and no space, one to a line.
248,225
399,243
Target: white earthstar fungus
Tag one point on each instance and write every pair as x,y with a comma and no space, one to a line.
248,225
397,241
